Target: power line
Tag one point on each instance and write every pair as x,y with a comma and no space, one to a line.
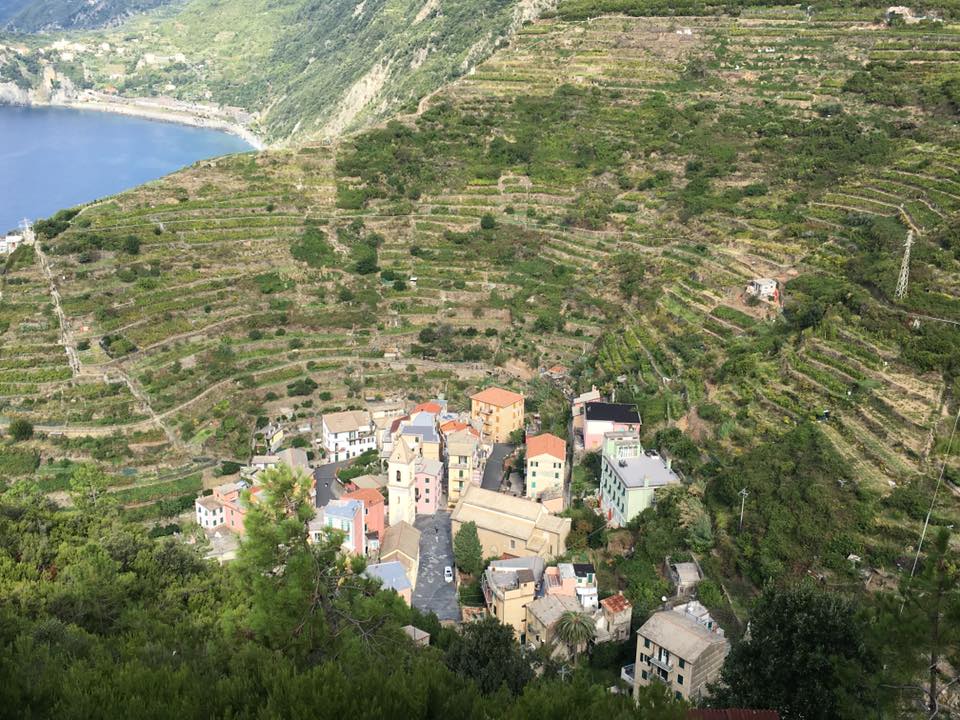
936,491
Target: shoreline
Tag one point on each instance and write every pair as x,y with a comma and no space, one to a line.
150,109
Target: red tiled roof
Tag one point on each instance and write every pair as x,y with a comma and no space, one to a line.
733,714
616,603
452,426
430,407
557,370
497,396
546,444
368,496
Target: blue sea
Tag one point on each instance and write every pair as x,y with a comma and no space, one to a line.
54,158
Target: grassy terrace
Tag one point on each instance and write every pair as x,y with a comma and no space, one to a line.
598,193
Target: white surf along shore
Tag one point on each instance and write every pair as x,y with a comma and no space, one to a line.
164,109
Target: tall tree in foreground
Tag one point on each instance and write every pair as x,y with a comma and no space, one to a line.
467,549
806,656
487,653
931,608
286,578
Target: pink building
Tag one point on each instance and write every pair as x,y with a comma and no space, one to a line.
600,418
556,582
374,512
429,484
224,508
347,517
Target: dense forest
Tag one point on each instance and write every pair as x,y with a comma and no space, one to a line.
98,620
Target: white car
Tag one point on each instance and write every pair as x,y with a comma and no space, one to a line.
448,574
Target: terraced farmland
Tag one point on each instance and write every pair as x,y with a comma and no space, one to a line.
598,194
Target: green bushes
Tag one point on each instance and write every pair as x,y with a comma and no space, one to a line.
301,387
271,282
144,493
16,462
49,228
313,248
20,430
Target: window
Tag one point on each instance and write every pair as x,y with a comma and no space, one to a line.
643,674
646,642
513,544
681,663
679,679
678,696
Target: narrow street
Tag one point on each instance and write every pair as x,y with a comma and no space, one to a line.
432,593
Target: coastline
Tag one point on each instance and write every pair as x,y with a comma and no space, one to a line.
159,109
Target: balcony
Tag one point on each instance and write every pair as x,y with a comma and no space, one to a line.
628,673
666,666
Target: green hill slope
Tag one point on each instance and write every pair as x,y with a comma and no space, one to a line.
27,16
303,68
637,175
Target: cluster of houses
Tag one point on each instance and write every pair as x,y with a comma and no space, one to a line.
428,458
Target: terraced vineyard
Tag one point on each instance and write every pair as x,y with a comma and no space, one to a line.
598,193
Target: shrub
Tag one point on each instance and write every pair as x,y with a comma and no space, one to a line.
21,430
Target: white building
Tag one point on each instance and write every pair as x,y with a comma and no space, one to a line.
209,513
763,288
346,434
10,243
401,484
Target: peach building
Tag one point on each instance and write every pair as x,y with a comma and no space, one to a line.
500,411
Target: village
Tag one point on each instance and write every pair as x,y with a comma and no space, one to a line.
407,486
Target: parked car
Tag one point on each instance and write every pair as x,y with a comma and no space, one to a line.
448,574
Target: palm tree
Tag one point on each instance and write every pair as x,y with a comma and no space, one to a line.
575,630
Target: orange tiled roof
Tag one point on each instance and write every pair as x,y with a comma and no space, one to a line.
557,370
368,496
546,444
452,426
497,396
430,407
615,603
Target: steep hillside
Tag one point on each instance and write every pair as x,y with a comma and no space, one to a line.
27,16
302,68
598,193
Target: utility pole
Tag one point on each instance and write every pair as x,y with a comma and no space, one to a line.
904,267
743,499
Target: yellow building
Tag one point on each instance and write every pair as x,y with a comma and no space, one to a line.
546,465
543,615
401,543
463,463
508,587
500,411
681,649
511,525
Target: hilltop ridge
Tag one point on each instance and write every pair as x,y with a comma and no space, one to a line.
296,69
